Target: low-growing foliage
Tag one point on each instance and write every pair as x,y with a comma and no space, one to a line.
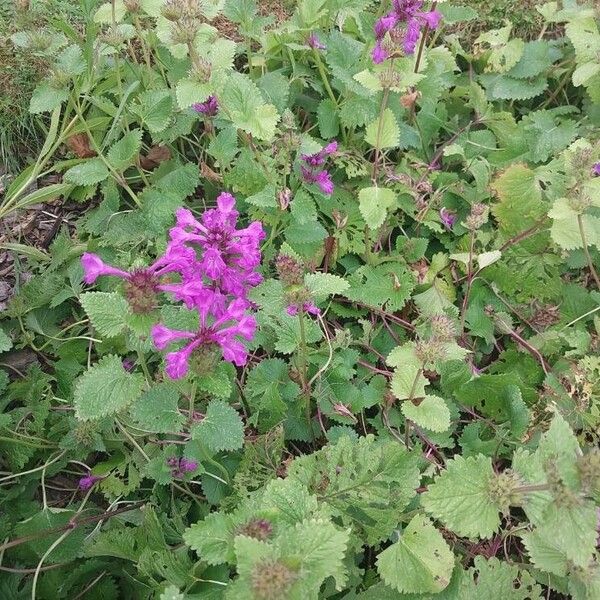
322,318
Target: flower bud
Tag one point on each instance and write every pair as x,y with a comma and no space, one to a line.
173,10
503,490
184,31
133,6
443,328
588,466
141,289
478,217
409,99
430,351
259,529
290,270
205,358
284,197
272,580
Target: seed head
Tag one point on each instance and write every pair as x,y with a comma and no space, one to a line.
272,580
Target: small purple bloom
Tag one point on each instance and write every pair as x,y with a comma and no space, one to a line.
188,466
87,482
314,42
128,364
448,218
596,170
311,172
413,19
307,307
208,108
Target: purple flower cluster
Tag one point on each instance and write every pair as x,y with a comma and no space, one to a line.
88,482
404,22
215,264
314,42
596,170
181,466
209,108
307,307
448,217
312,171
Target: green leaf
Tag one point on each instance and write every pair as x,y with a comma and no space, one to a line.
504,87
218,382
383,133
190,91
328,119
156,410
108,312
90,172
547,134
154,109
105,389
123,153
322,285
5,341
245,106
419,562
461,492
431,413
46,98
212,538
221,428
453,13
389,285
374,203
368,483
520,198
491,579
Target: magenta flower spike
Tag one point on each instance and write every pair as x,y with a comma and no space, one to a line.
208,108
310,171
87,482
596,170
408,19
314,42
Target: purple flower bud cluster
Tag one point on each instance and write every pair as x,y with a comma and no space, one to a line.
314,42
209,108
307,307
448,218
596,170
312,171
406,20
88,482
216,265
181,466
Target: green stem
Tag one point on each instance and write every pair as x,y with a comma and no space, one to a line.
324,77
586,251
192,401
303,365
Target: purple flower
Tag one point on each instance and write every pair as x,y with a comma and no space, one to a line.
596,170
307,307
230,256
448,218
221,328
314,42
87,482
188,466
209,108
311,172
409,13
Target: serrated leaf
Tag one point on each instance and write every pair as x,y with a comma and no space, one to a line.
90,172
497,579
374,203
328,119
218,382
190,91
105,389
156,410
5,342
431,413
154,109
123,153
460,492
419,562
245,106
212,538
46,98
383,133
520,196
504,87
221,428
322,285
365,481
108,312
